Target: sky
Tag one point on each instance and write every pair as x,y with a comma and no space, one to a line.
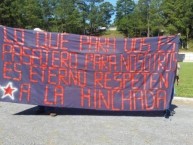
114,1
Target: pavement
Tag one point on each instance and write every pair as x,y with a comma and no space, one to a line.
19,125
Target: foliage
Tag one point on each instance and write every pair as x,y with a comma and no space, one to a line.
72,16
124,19
185,87
106,12
144,18
154,18
190,47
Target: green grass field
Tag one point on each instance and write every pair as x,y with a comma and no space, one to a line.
112,34
185,87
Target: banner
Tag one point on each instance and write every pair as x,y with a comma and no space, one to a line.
77,71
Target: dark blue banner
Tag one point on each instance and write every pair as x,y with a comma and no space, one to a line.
67,70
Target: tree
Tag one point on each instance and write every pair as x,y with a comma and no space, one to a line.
124,18
83,9
48,13
66,16
29,14
189,18
156,20
143,9
178,16
106,11
20,13
93,14
148,19
124,8
5,13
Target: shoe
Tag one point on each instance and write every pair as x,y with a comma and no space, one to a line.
53,114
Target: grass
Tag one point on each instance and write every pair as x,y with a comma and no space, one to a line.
185,87
112,34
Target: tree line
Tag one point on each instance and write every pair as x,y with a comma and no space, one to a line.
71,16
133,19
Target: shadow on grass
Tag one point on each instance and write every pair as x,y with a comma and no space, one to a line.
88,112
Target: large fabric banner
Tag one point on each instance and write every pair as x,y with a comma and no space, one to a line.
77,71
